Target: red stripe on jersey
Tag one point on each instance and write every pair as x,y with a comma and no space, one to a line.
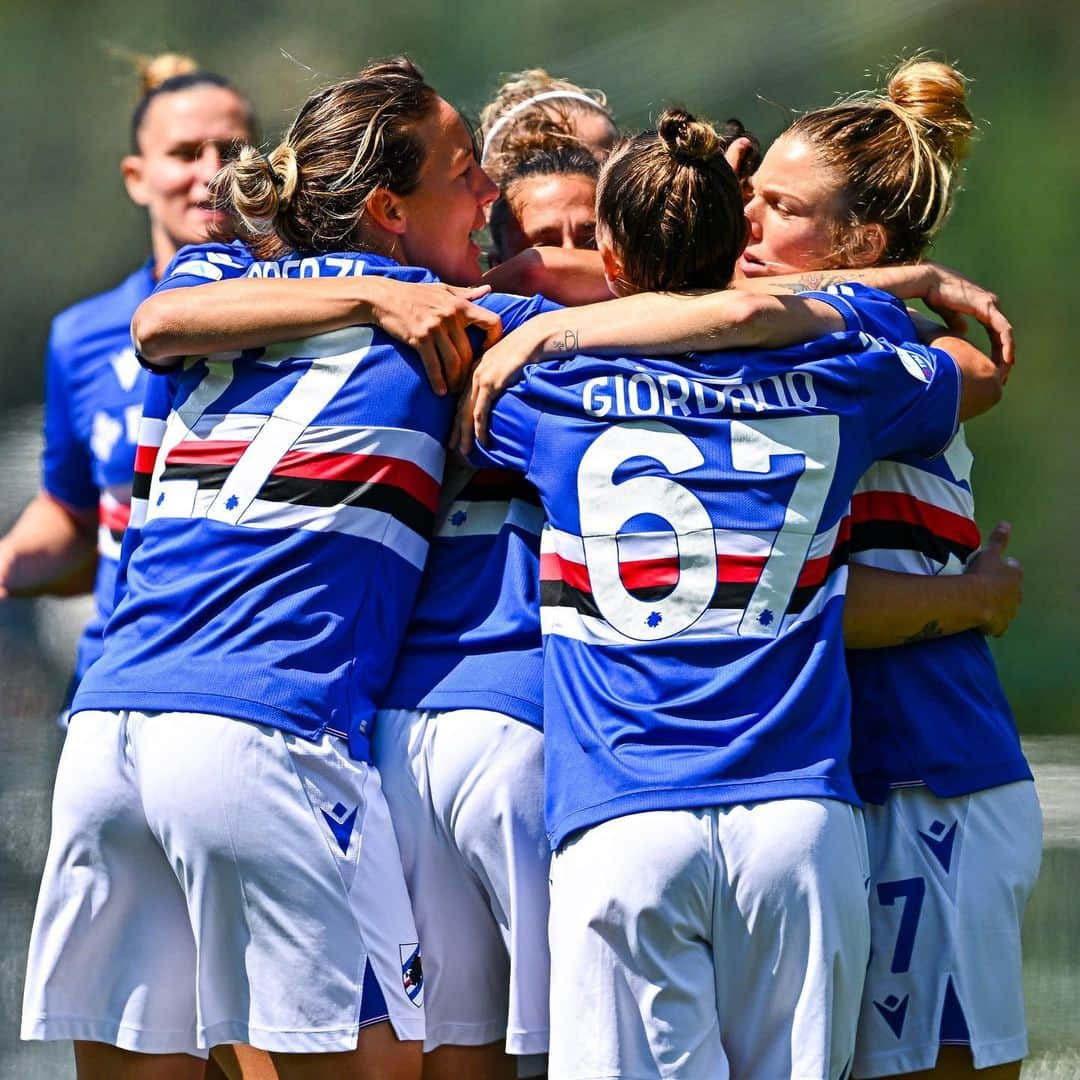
554,567
114,517
896,506
206,452
362,469
145,457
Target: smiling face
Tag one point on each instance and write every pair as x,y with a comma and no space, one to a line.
553,211
181,141
438,218
794,214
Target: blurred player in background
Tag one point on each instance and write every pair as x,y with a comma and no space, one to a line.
952,818
708,882
68,539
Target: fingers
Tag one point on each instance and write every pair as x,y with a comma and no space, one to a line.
488,321
481,413
469,292
429,357
454,364
998,540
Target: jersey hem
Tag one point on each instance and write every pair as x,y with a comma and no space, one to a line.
722,794
214,705
522,709
948,783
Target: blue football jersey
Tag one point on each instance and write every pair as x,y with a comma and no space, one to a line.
284,501
932,712
93,402
692,575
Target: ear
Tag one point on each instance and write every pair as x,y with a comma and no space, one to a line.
866,246
131,169
613,267
386,211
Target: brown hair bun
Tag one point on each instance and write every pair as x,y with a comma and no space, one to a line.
935,96
155,70
687,138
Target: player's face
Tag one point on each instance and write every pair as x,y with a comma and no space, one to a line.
448,204
793,213
181,142
553,211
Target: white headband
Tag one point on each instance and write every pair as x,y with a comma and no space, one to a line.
521,106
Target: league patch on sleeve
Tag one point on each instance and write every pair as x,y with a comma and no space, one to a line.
916,365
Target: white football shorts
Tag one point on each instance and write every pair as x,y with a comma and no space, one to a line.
949,880
727,941
211,880
466,794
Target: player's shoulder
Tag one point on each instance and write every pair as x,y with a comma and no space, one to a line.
213,261
102,313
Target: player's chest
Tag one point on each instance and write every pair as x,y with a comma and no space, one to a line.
107,392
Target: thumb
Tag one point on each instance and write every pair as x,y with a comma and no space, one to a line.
999,538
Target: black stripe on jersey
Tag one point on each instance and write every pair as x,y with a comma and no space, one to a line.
904,536
312,491
730,595
515,487
140,485
385,498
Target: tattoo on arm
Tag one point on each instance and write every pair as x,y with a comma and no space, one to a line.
566,342
930,631
814,280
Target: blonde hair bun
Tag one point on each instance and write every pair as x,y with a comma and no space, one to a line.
155,70
686,137
260,187
934,95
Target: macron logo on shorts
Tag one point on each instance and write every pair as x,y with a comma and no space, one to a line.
341,825
940,845
893,1011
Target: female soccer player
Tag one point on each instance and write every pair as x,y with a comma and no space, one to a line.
953,820
207,882
708,880
68,539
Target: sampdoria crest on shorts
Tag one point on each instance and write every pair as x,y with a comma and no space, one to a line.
412,972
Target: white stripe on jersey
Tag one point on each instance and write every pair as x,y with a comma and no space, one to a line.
468,518
108,548
352,520
898,479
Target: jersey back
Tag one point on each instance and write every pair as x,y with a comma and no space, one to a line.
693,567
285,499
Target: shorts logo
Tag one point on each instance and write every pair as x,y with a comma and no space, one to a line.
412,972
341,824
893,1011
941,846
916,365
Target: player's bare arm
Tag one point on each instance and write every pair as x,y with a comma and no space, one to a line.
250,312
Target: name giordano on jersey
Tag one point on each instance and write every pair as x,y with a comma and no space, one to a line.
668,394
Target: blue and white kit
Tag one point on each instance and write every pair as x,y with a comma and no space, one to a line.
93,401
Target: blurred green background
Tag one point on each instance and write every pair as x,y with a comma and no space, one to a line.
69,231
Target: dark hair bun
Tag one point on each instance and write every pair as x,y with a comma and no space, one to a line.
687,138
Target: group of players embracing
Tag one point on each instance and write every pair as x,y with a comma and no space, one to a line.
656,735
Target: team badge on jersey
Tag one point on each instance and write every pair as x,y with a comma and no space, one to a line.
412,972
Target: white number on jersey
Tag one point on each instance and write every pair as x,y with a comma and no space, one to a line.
605,505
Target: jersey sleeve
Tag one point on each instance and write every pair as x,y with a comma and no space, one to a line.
67,467
911,398
869,311
513,310
201,264
512,432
